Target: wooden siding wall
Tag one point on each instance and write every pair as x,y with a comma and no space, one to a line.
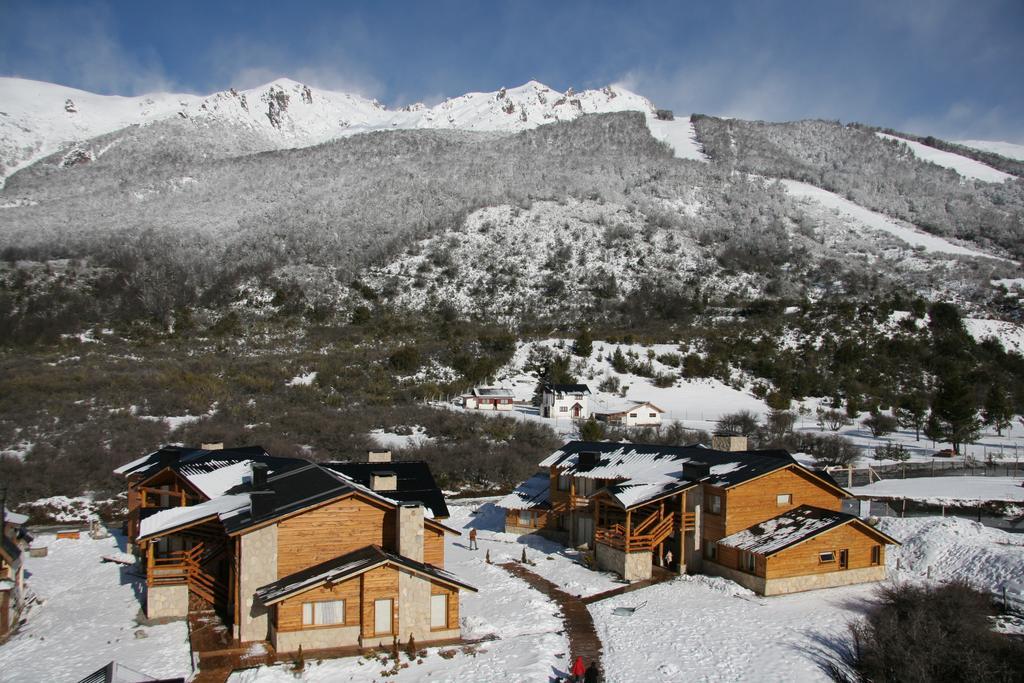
289,612
713,526
802,559
755,501
326,532
379,583
433,547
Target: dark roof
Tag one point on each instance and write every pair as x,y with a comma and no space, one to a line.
292,490
199,459
10,548
567,388
790,528
415,482
118,673
345,567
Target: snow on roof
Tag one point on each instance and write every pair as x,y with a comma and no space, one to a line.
14,517
532,493
610,406
216,477
165,520
630,494
492,391
947,490
788,529
130,467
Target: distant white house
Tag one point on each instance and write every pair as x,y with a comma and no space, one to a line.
565,400
627,413
488,398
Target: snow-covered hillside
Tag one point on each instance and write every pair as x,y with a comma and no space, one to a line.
968,168
1006,149
38,119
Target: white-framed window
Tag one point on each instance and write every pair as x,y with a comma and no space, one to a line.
439,611
632,414
715,504
827,557
563,409
652,415
323,613
784,499
382,615
525,518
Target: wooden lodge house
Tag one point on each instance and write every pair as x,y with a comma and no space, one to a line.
13,544
330,556
759,518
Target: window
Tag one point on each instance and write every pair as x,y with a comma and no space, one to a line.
563,409
715,504
382,616
632,414
439,611
563,482
525,518
825,558
784,499
876,554
749,563
652,414
710,549
323,613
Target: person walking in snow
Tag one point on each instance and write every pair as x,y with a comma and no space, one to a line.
472,540
667,563
591,675
578,670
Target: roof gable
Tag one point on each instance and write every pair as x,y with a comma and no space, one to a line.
795,527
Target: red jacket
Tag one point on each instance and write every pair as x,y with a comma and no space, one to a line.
578,669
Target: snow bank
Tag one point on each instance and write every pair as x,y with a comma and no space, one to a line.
954,549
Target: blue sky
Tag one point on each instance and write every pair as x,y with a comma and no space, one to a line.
944,67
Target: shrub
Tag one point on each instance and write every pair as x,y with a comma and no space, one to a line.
880,424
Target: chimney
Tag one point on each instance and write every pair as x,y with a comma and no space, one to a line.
587,461
378,456
259,476
695,470
383,481
728,441
410,531
261,504
213,446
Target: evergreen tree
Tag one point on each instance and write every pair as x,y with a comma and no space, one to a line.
997,411
955,413
584,344
911,412
619,362
591,430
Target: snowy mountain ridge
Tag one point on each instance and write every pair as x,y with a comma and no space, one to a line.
38,119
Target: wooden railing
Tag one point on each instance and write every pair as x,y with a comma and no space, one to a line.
644,537
689,521
186,566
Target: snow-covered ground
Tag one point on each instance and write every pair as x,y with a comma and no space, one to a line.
418,437
966,167
1009,334
948,490
680,135
86,618
1006,149
876,221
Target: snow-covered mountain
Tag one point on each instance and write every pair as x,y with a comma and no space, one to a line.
38,119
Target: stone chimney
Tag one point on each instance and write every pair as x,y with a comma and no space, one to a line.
410,531
378,456
383,481
728,442
213,446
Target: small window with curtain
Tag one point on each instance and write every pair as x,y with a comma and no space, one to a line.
324,613
784,499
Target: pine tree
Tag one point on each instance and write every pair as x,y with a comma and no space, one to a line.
911,412
997,411
955,413
583,346
591,430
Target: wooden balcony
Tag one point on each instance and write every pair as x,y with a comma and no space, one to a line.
641,538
